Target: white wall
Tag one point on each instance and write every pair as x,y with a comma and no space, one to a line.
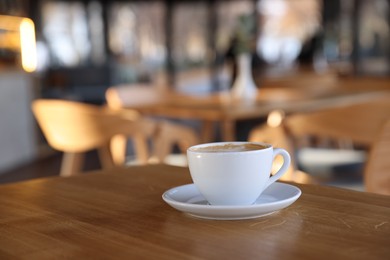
18,138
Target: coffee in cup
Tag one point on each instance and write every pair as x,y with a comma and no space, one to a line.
231,147
234,173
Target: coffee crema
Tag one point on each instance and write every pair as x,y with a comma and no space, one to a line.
230,147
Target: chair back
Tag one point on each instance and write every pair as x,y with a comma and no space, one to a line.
359,123
76,127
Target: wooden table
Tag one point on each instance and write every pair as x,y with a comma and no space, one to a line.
119,214
221,109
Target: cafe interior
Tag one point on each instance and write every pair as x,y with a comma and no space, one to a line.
285,72
103,105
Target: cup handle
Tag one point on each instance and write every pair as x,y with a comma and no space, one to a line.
283,169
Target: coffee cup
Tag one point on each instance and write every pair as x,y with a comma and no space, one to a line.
234,173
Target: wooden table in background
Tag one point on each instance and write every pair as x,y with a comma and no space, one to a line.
221,109
119,214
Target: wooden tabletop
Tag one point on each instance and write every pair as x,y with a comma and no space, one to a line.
120,214
221,108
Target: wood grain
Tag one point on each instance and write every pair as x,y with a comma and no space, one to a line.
119,214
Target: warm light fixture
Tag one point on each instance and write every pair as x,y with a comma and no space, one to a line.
275,118
28,45
18,34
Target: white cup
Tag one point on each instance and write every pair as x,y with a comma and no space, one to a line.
234,173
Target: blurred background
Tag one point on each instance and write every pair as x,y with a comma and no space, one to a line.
77,49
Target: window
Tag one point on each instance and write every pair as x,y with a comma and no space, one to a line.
73,33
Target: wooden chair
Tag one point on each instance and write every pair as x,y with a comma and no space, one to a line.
276,136
362,124
377,170
359,122
74,128
125,97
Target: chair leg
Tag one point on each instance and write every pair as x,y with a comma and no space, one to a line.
162,147
228,130
207,131
71,164
141,148
189,139
118,149
106,157
171,134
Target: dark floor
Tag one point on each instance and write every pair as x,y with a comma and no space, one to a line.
350,178
46,167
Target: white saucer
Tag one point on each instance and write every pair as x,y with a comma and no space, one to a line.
188,199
